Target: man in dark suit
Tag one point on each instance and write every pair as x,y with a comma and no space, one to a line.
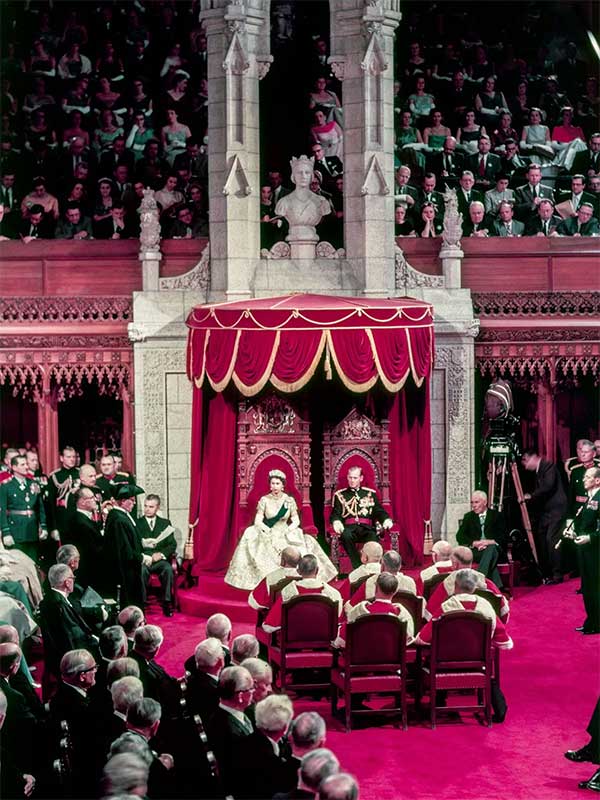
123,547
116,226
549,500
316,766
14,782
587,162
511,163
545,222
477,223
568,202
229,722
261,765
484,165
71,703
329,166
85,534
37,225
203,684
428,194
466,194
447,165
157,537
20,726
482,530
143,722
63,628
583,224
218,626
157,682
529,196
117,154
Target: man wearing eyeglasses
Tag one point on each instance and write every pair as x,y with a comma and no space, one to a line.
63,628
71,703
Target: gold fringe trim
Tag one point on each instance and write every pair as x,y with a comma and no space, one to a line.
252,389
282,386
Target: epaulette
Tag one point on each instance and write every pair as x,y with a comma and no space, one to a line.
366,488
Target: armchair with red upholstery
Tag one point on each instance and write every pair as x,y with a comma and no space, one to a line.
461,658
309,625
357,441
373,662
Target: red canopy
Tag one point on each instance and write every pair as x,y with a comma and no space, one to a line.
282,339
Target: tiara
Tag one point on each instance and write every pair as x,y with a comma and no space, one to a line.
277,473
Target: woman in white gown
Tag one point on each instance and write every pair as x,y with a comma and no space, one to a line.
276,526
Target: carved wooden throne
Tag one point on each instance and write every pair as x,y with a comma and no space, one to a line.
273,434
357,441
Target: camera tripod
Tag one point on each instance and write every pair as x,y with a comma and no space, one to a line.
502,464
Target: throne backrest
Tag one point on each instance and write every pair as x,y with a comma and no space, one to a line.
357,441
273,434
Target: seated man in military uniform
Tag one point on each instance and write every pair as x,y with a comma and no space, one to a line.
354,514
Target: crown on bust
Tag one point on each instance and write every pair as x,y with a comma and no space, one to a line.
277,473
302,160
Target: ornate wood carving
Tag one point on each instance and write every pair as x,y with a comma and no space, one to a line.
272,427
66,309
527,304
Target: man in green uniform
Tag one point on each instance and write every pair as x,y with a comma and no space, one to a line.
60,483
22,515
354,514
587,527
123,548
157,537
110,479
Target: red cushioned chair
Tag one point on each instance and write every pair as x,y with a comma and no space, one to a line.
309,625
357,441
262,636
461,658
414,604
431,585
373,662
154,582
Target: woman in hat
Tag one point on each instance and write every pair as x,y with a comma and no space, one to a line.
276,526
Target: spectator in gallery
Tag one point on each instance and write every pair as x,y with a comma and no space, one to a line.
403,223
40,196
421,103
328,134
74,225
469,133
429,226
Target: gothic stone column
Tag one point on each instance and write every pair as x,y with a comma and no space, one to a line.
237,47
362,55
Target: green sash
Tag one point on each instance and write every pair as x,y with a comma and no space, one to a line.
270,521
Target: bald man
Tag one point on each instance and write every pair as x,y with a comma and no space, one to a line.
440,556
260,597
483,531
370,564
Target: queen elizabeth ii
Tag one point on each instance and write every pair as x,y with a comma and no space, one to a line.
276,526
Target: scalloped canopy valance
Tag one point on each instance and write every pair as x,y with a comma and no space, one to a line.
281,340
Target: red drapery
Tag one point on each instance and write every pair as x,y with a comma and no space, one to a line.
282,341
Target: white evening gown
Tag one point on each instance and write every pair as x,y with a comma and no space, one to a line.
259,550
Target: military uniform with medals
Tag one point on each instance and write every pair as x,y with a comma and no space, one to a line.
109,486
22,515
61,483
358,510
587,523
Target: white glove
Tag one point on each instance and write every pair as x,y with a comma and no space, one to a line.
55,535
338,527
387,524
147,560
9,541
43,535
104,614
148,542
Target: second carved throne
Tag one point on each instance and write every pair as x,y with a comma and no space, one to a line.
273,434
357,441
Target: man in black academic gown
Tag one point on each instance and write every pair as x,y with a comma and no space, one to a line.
123,547
84,533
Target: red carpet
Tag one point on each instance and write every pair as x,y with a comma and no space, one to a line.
551,682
